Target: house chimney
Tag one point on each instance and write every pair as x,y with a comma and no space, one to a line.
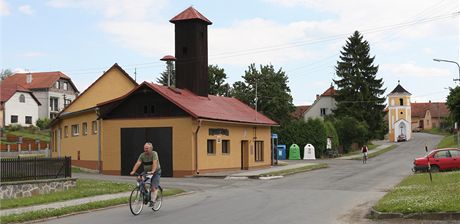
29,78
317,97
191,43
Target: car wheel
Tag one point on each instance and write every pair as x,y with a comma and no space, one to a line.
434,169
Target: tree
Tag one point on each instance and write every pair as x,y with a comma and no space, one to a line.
453,103
163,79
359,92
5,73
350,131
273,94
216,79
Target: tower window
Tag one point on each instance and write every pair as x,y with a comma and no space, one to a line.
401,112
401,101
184,50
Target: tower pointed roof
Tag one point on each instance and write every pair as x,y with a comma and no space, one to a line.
399,90
190,14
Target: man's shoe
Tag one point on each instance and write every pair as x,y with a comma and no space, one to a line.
151,203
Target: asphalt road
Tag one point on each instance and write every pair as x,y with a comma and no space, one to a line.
342,193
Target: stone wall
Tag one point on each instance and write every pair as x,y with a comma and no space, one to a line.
35,187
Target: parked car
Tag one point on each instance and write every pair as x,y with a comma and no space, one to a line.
401,138
440,159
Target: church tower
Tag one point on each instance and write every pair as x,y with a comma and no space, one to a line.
399,115
191,35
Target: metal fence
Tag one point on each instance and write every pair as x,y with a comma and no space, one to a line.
17,169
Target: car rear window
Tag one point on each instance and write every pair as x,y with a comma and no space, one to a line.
455,153
442,154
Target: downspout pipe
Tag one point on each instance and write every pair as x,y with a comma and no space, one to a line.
99,167
197,171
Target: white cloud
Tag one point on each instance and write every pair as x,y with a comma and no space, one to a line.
33,54
4,8
413,70
26,9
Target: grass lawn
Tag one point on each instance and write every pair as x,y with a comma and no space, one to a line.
84,188
41,214
295,170
380,152
448,141
417,194
42,135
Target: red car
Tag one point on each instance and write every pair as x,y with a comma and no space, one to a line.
440,159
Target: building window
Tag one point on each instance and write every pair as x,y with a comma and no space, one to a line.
225,146
259,151
94,127
218,131
401,102
84,128
14,119
66,132
57,85
54,104
211,146
22,98
66,86
67,102
323,111
75,130
28,119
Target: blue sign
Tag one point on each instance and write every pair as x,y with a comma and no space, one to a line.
274,135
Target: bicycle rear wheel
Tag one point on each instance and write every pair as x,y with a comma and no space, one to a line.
136,201
158,200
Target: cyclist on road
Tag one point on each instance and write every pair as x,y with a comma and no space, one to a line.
149,159
364,150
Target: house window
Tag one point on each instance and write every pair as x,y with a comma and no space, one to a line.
75,130
218,131
67,102
14,119
66,131
54,104
84,128
259,151
28,119
401,102
94,127
22,98
57,85
211,146
323,111
66,86
225,146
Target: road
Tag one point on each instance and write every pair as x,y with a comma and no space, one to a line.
342,193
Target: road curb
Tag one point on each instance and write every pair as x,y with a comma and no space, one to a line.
424,216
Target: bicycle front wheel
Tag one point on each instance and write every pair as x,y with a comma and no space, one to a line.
136,201
158,200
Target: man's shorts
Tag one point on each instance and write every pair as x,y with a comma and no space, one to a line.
155,180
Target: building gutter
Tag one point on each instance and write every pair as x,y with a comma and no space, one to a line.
240,123
197,171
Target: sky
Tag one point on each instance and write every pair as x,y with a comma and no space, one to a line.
84,38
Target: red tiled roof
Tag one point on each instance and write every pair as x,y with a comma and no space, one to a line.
189,14
9,89
300,110
329,92
211,107
437,109
40,80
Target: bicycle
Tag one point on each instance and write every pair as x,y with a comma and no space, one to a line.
141,195
364,157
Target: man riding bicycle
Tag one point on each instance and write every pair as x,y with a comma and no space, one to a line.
364,150
149,159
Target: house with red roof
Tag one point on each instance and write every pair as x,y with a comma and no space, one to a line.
18,105
54,90
426,116
191,131
323,105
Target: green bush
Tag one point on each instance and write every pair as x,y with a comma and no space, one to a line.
14,127
43,123
351,131
33,129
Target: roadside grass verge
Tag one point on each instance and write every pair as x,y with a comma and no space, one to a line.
295,170
380,152
47,213
436,131
370,146
449,141
84,188
416,194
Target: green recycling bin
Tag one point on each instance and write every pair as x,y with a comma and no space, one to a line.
294,152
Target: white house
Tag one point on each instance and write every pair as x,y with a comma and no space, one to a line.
323,105
18,106
54,90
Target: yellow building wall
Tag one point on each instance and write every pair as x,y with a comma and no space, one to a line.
87,144
111,85
232,160
1,118
394,113
182,133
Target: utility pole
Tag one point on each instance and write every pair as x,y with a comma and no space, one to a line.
256,99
